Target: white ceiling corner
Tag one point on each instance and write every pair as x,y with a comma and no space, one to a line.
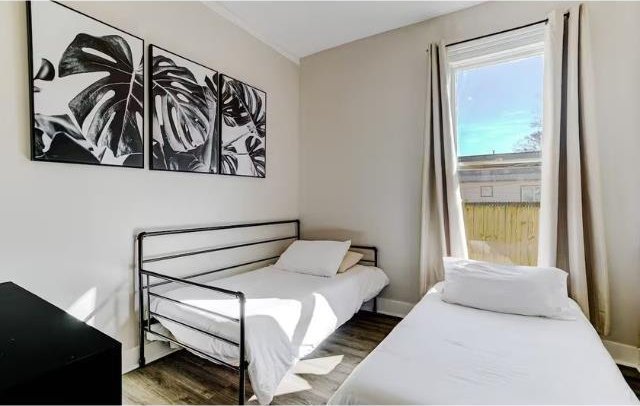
297,29
223,11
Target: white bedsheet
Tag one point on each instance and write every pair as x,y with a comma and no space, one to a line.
287,315
449,354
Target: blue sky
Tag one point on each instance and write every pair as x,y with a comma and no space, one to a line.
496,105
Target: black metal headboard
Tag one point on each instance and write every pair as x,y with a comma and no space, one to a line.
148,234
372,260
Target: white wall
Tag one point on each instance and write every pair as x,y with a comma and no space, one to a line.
362,122
66,231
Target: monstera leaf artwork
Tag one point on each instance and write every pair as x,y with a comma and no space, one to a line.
184,120
88,89
46,72
116,98
244,129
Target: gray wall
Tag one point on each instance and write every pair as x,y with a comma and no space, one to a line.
362,121
66,231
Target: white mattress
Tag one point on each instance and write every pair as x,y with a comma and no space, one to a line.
287,315
449,354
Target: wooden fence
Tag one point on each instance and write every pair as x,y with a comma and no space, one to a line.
502,232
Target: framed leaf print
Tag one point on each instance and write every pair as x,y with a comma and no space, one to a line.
243,129
184,119
87,89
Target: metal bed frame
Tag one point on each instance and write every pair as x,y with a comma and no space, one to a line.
149,317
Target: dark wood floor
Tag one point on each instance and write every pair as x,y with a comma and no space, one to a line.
183,378
632,376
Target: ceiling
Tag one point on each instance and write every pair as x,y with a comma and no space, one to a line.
300,28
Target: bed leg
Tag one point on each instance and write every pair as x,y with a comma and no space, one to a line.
242,362
241,391
141,360
375,305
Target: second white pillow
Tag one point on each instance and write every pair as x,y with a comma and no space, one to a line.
320,258
524,290
350,260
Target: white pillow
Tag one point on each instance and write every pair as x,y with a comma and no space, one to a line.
320,258
525,290
349,261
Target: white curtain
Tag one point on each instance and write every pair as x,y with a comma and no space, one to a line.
442,222
571,224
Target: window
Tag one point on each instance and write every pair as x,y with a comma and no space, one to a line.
496,89
530,193
486,191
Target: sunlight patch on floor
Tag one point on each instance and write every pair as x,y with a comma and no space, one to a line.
318,366
292,383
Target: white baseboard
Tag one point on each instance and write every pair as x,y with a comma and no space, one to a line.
153,351
394,307
623,354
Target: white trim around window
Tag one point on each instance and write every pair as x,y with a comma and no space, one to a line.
512,45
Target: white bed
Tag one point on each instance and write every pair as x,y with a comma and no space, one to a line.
449,354
287,315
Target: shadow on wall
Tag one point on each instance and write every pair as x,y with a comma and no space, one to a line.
87,309
115,310
334,234
84,308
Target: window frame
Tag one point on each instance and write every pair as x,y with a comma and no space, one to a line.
502,48
486,187
496,244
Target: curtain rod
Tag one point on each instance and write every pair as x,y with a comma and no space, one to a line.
546,20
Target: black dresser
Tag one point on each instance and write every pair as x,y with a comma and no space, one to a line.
49,357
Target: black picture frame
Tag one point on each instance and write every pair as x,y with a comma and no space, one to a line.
222,76
150,92
30,81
